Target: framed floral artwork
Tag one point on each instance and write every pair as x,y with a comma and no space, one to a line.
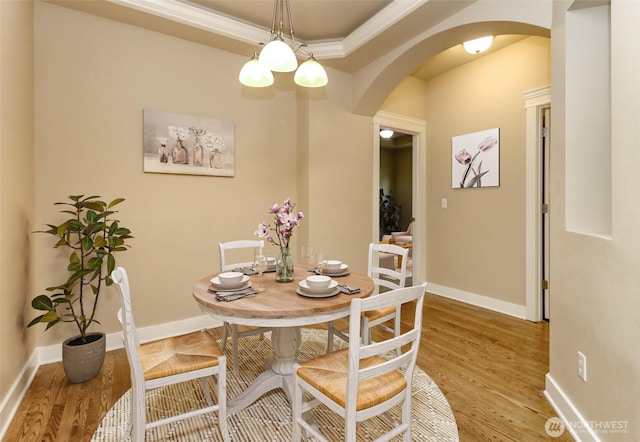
183,144
475,159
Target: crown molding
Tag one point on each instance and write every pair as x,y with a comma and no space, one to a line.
226,26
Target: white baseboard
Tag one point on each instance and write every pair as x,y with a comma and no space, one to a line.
53,353
16,392
574,422
496,305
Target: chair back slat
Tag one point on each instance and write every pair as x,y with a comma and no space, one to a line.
224,247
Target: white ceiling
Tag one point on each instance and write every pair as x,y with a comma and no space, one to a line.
343,34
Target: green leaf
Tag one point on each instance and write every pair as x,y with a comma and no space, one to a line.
111,264
97,227
91,216
98,206
94,263
114,202
51,324
62,228
35,320
50,316
74,267
99,241
87,243
122,231
77,275
62,242
42,302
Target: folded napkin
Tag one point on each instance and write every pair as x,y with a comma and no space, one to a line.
246,270
233,295
348,290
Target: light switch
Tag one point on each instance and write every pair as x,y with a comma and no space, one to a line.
444,203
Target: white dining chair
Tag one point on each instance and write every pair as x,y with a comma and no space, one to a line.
169,361
363,380
384,278
225,248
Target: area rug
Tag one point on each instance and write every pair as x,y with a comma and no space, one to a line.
269,418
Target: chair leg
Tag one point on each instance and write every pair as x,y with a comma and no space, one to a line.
366,331
297,410
221,391
225,334
138,412
406,418
234,348
396,329
330,337
205,389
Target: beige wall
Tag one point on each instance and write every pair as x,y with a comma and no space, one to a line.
16,187
595,281
476,244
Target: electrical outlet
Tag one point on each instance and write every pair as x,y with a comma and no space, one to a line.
582,366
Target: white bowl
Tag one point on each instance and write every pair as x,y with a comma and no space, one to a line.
271,262
332,264
318,281
230,277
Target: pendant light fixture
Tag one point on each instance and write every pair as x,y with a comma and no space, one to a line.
278,56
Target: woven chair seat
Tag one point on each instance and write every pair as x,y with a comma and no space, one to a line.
328,374
374,315
179,354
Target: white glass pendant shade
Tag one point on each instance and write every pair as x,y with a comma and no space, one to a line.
255,74
478,45
386,133
278,56
311,74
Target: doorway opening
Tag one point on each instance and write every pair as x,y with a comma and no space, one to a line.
396,172
538,145
412,136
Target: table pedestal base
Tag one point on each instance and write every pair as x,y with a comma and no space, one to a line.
286,345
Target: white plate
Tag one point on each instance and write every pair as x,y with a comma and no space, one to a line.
343,270
216,288
315,290
333,292
216,284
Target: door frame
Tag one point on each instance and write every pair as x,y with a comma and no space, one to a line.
535,101
418,130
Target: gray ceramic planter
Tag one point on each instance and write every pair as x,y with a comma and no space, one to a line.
83,362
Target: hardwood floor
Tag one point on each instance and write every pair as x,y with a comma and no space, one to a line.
490,367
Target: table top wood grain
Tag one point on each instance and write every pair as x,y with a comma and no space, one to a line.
280,300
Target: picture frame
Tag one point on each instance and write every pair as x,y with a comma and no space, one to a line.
475,159
183,144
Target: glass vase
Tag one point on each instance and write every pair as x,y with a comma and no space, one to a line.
284,265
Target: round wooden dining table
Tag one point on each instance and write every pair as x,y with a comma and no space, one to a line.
282,309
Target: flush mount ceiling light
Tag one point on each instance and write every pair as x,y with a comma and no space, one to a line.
478,45
386,133
278,56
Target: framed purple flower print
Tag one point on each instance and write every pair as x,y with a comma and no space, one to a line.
475,159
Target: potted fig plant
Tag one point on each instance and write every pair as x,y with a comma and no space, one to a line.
91,236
